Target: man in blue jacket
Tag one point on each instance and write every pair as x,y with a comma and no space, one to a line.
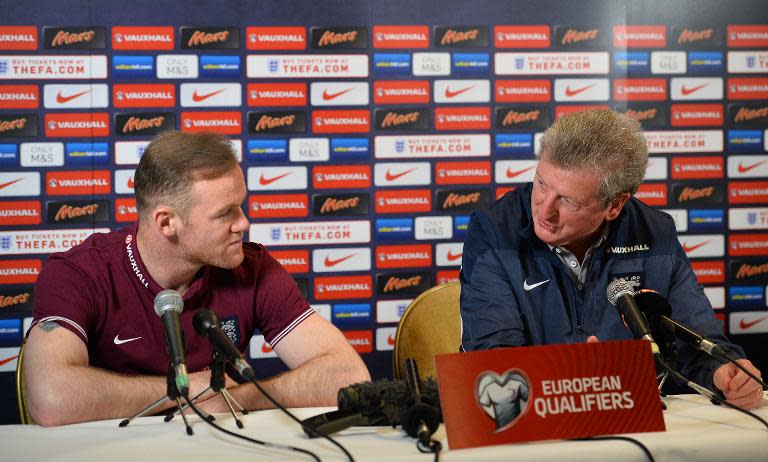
537,262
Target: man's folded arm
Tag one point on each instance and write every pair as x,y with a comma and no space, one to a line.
321,362
61,388
490,315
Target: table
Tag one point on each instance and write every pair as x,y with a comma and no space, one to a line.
696,431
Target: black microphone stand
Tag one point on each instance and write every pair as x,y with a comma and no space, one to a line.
218,385
172,393
419,420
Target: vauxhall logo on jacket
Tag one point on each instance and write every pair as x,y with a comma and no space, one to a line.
628,249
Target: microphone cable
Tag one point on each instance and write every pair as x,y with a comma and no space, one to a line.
430,446
303,425
706,392
249,439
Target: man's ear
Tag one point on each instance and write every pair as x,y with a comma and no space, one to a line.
165,220
614,208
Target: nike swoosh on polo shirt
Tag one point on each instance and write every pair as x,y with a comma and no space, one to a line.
119,341
528,287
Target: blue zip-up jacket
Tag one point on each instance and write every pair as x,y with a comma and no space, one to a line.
515,291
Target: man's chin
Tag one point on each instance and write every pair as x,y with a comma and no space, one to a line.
229,261
545,236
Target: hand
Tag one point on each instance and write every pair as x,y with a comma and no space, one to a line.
593,339
739,389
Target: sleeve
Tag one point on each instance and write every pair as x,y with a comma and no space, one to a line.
65,295
691,307
490,315
279,305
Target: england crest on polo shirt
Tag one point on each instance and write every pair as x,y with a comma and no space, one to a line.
231,326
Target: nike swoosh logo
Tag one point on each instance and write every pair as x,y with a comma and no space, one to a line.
747,324
452,94
454,256
393,176
571,92
196,97
528,287
61,99
687,91
745,169
330,263
329,96
265,348
265,181
690,248
4,185
119,341
7,360
513,173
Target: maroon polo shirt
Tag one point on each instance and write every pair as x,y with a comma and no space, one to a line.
101,291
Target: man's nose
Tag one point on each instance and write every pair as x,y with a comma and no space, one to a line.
548,207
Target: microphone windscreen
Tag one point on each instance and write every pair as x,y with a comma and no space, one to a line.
168,300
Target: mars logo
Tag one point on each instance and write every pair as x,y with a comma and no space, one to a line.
649,115
148,123
403,283
13,125
402,119
337,37
751,271
74,37
697,194
210,37
522,117
503,397
461,37
748,115
698,38
340,204
462,199
276,122
575,38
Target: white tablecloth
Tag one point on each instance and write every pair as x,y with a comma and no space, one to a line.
696,431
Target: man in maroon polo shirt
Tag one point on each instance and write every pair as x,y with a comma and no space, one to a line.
96,349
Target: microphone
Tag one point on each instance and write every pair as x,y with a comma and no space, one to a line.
382,402
621,294
168,305
658,310
420,420
653,304
207,324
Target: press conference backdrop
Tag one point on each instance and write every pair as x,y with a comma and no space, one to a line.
370,130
